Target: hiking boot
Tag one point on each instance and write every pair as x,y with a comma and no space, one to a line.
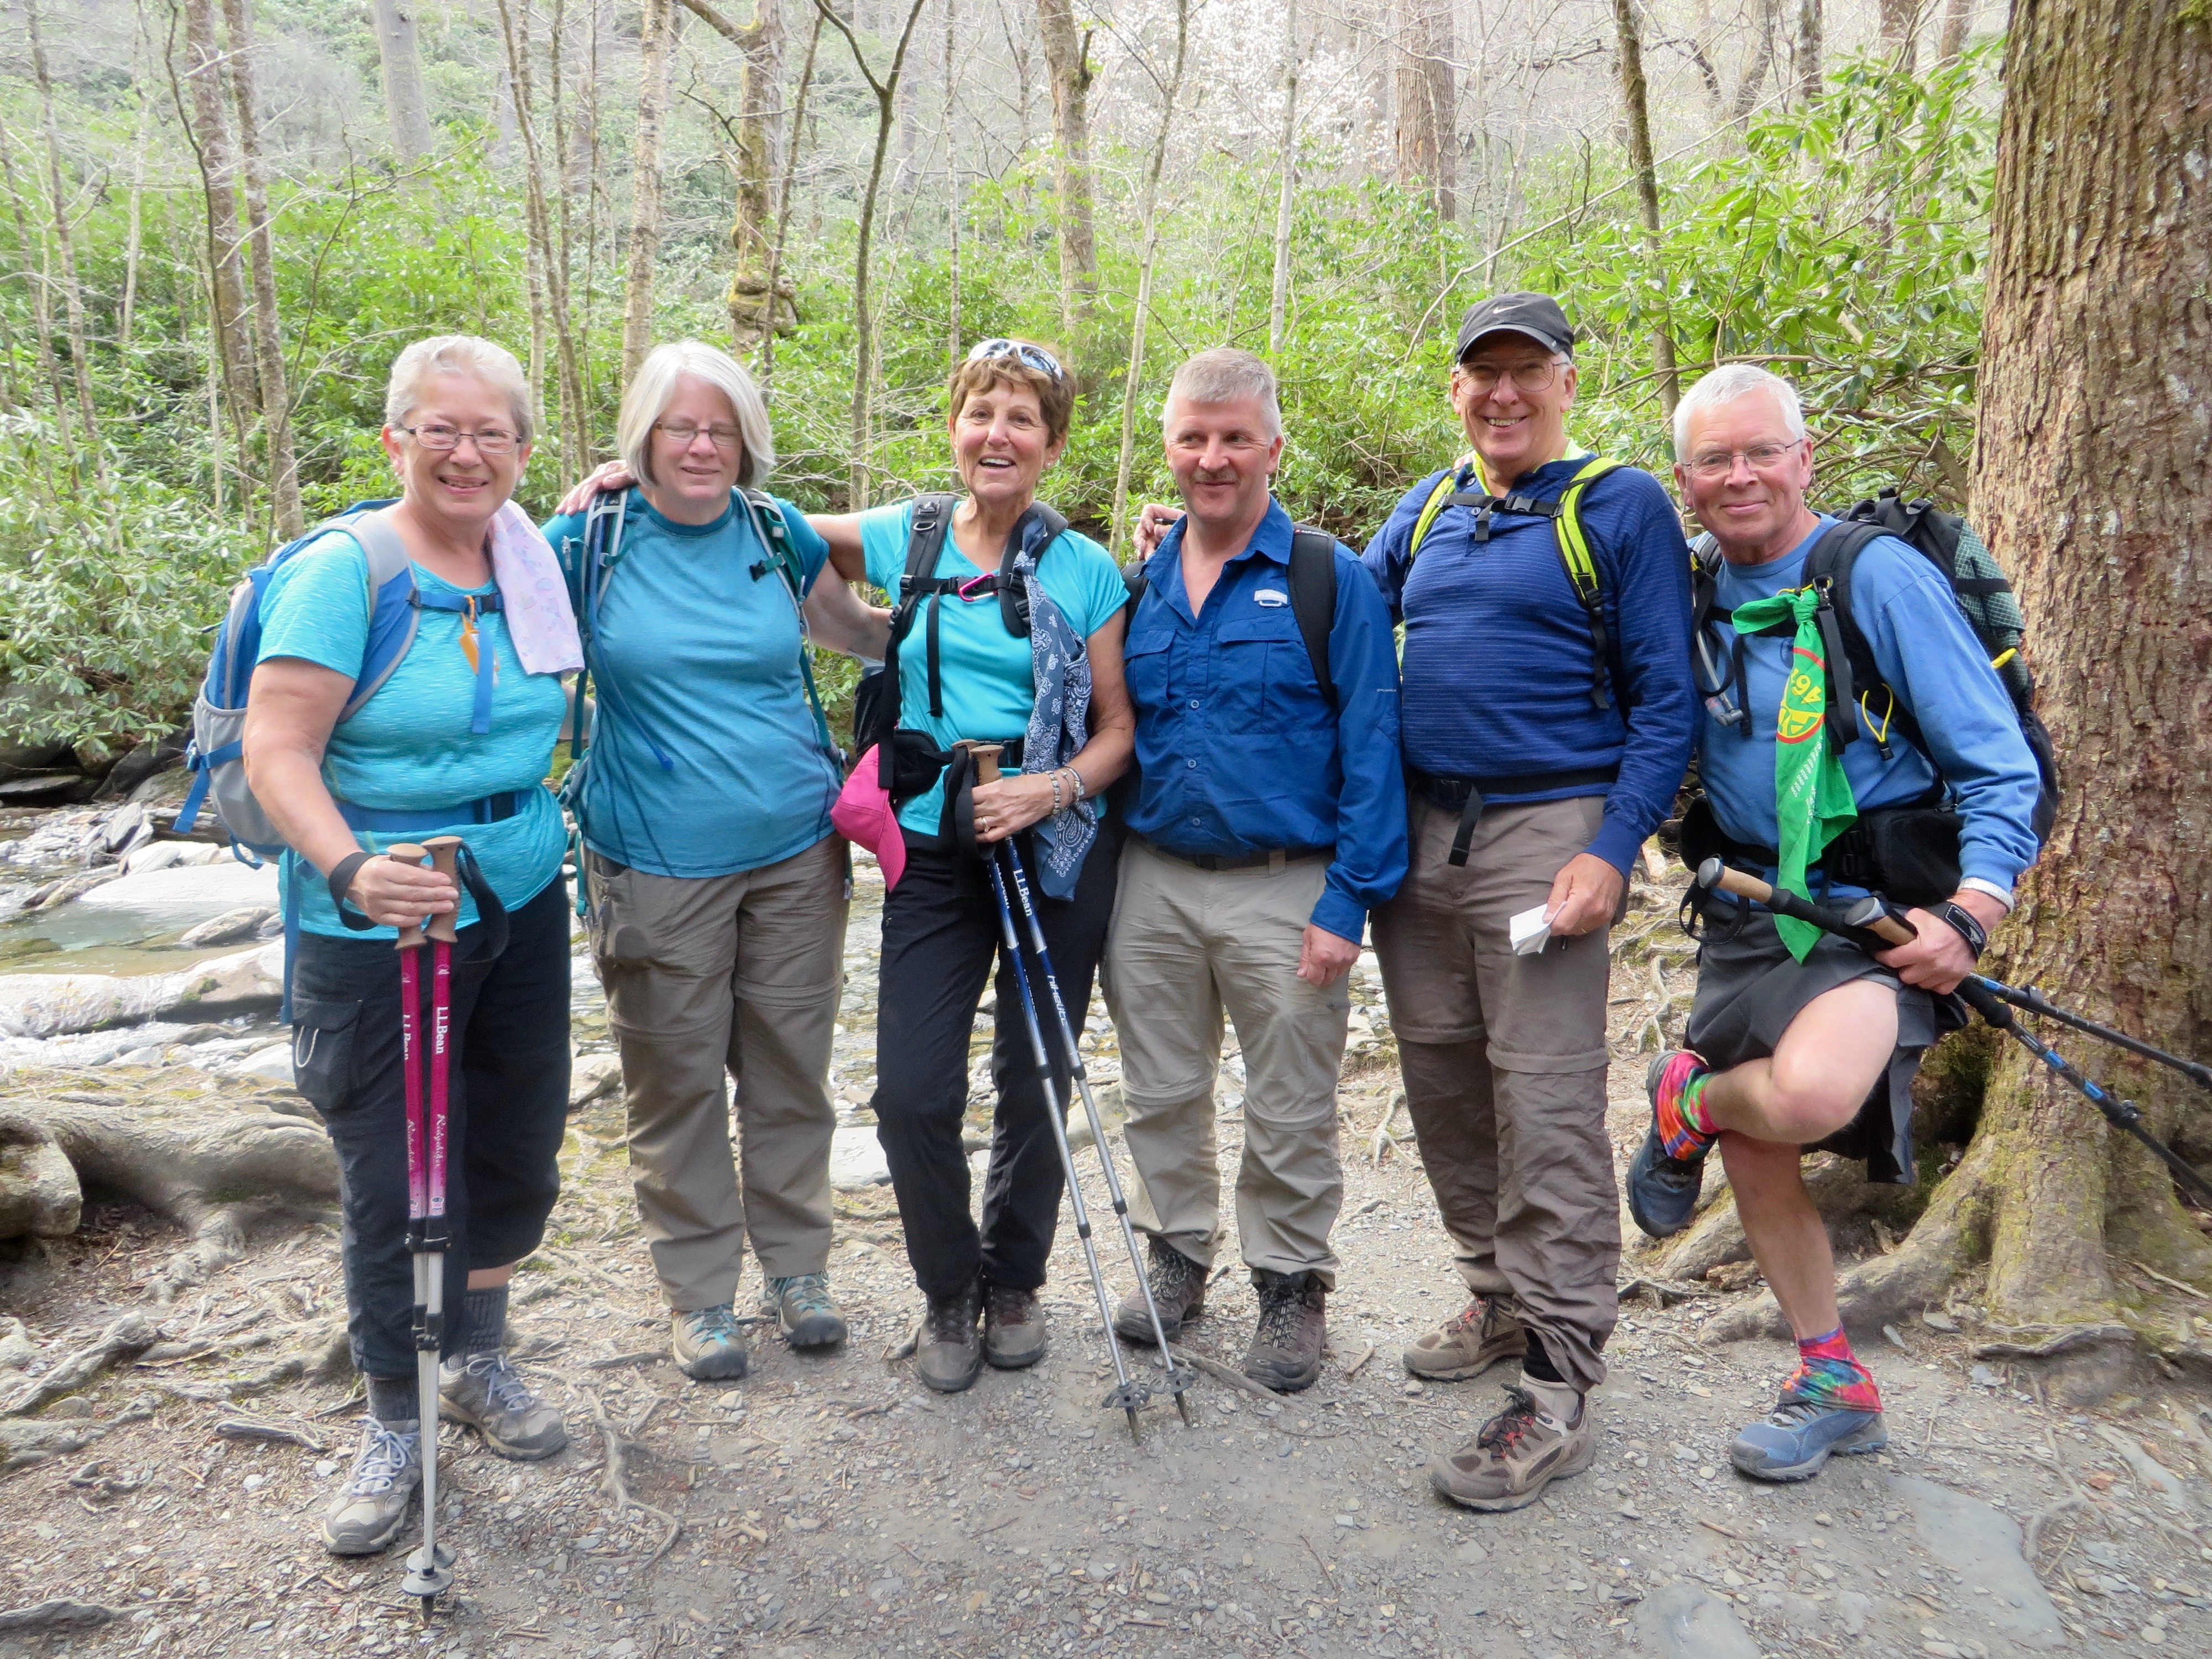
371,1508
485,1392
1469,1343
1014,1327
949,1354
1517,1453
803,1311
1286,1352
1178,1292
1663,1185
709,1344
1795,1441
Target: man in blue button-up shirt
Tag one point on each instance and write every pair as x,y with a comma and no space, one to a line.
1269,819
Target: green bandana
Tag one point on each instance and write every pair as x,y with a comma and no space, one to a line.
1812,802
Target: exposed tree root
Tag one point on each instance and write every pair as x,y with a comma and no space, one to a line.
131,1335
615,1477
24,1442
213,1167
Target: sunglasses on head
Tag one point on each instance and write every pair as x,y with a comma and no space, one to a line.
1035,357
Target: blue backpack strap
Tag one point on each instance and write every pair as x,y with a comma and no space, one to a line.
603,537
393,616
469,607
774,537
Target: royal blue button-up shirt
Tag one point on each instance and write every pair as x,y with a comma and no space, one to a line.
1239,752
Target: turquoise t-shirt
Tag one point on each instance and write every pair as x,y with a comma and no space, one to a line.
984,670
695,651
411,746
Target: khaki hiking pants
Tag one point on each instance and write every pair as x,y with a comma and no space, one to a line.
1186,946
739,974
1504,1063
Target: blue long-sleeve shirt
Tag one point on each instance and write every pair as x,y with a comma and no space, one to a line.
1497,669
1930,657
1238,750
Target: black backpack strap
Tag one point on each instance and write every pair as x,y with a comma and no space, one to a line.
1013,597
1313,598
933,520
1854,676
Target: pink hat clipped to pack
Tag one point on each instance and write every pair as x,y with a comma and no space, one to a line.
863,815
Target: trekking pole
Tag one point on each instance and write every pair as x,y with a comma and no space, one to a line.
1129,1393
1177,1381
430,1569
1876,917
2032,1002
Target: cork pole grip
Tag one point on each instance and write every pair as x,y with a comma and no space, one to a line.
406,852
445,851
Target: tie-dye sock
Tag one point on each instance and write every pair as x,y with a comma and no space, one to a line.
1678,1103
1828,1373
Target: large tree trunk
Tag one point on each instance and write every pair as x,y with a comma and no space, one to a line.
403,102
2094,471
1899,25
656,50
1428,139
760,123
1067,59
65,243
1641,159
268,332
1805,50
1958,23
1756,66
219,184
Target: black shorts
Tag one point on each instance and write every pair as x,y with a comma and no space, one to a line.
1750,987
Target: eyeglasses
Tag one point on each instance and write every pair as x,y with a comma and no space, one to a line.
1035,357
438,438
1528,377
682,433
1719,464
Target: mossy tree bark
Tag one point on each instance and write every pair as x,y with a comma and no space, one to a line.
2095,474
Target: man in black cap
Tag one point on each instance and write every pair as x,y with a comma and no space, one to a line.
1547,715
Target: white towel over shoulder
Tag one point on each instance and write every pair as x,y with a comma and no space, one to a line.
534,595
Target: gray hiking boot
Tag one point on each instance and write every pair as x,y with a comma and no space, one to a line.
709,1344
803,1311
485,1392
1286,1352
1013,1327
372,1507
949,1354
1178,1292
1519,1452
1469,1343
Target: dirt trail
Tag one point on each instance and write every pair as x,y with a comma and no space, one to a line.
830,1507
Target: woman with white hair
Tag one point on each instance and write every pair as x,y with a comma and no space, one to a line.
718,890
454,738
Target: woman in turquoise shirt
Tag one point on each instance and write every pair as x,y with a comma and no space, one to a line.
718,888
458,740
962,673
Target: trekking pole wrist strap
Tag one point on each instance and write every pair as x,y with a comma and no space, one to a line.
341,878
1967,926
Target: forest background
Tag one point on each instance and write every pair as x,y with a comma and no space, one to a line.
223,217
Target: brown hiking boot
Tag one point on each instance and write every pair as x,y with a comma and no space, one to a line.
1518,1453
1469,1343
1178,1292
1286,1352
1014,1327
949,1351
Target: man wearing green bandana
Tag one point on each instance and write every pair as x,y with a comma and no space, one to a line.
1798,1039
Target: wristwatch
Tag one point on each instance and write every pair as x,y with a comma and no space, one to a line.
1968,928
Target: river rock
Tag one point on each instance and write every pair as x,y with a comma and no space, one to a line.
229,928
1968,1536
271,1065
591,1077
214,888
54,1004
856,1159
1683,1621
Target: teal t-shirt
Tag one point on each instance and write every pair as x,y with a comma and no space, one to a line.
984,670
411,746
696,651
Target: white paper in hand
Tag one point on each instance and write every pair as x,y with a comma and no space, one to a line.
1531,930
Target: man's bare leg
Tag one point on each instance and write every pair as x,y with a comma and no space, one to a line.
1820,1072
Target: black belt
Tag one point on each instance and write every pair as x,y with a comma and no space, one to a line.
1213,863
1467,796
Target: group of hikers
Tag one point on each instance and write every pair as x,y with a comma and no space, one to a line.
1219,765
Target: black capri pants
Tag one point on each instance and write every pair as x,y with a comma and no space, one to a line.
940,940
507,1108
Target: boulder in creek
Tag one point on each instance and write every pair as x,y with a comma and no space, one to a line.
213,888
53,1005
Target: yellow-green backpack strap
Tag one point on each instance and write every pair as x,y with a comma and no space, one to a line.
1582,574
1438,498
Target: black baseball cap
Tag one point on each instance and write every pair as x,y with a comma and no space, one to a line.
1536,315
